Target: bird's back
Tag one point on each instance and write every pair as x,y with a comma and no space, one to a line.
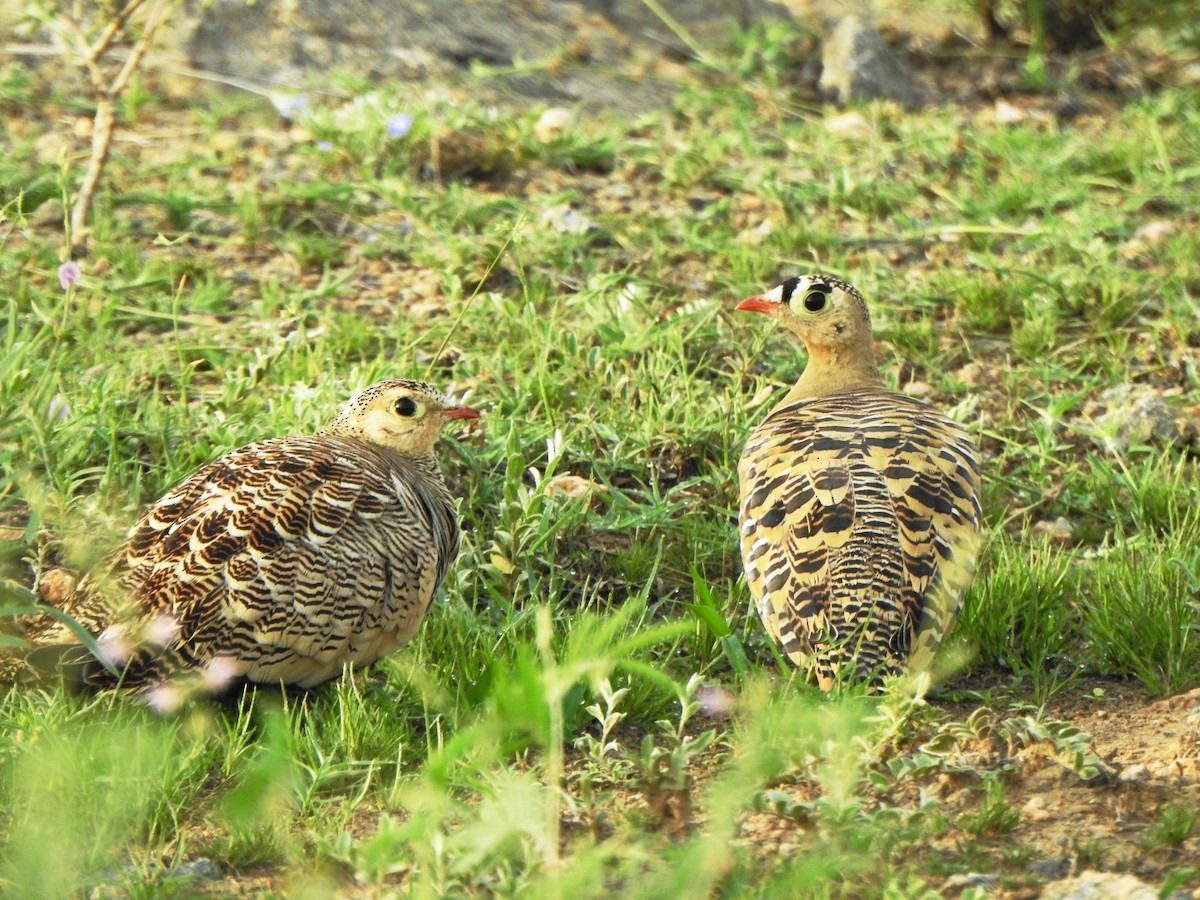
860,525
285,560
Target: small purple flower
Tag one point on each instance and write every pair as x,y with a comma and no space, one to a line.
289,106
59,408
399,125
324,146
68,274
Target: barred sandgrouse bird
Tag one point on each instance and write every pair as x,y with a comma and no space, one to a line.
859,517
285,561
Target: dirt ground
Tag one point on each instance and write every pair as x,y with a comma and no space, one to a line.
1147,771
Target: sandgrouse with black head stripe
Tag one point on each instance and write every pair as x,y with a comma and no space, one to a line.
287,560
859,514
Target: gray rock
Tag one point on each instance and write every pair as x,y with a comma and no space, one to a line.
1099,886
857,65
289,43
985,881
1135,414
200,869
1051,869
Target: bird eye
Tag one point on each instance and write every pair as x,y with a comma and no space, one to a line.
815,300
408,407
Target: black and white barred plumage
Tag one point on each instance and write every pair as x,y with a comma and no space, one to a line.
287,560
860,517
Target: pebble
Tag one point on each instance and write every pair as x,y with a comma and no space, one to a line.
565,220
849,125
1057,531
551,124
1035,809
1134,414
1051,869
201,869
1134,774
971,880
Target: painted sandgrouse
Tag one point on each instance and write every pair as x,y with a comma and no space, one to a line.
859,515
286,560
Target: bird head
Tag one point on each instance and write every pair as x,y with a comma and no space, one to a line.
406,416
822,310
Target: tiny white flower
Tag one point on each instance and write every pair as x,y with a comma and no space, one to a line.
114,646
163,630
219,673
164,698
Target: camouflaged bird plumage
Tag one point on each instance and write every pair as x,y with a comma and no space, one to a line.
859,515
286,560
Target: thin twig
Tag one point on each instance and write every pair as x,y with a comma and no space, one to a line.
113,30
156,18
107,93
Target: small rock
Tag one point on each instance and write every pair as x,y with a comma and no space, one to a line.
1135,414
756,235
1135,774
1059,531
1049,869
1035,810
918,389
565,220
1008,114
969,880
1148,236
551,124
849,125
1155,231
201,869
224,142
1099,886
1189,700
716,701
858,65
972,374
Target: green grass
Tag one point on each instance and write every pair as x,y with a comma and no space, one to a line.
594,681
